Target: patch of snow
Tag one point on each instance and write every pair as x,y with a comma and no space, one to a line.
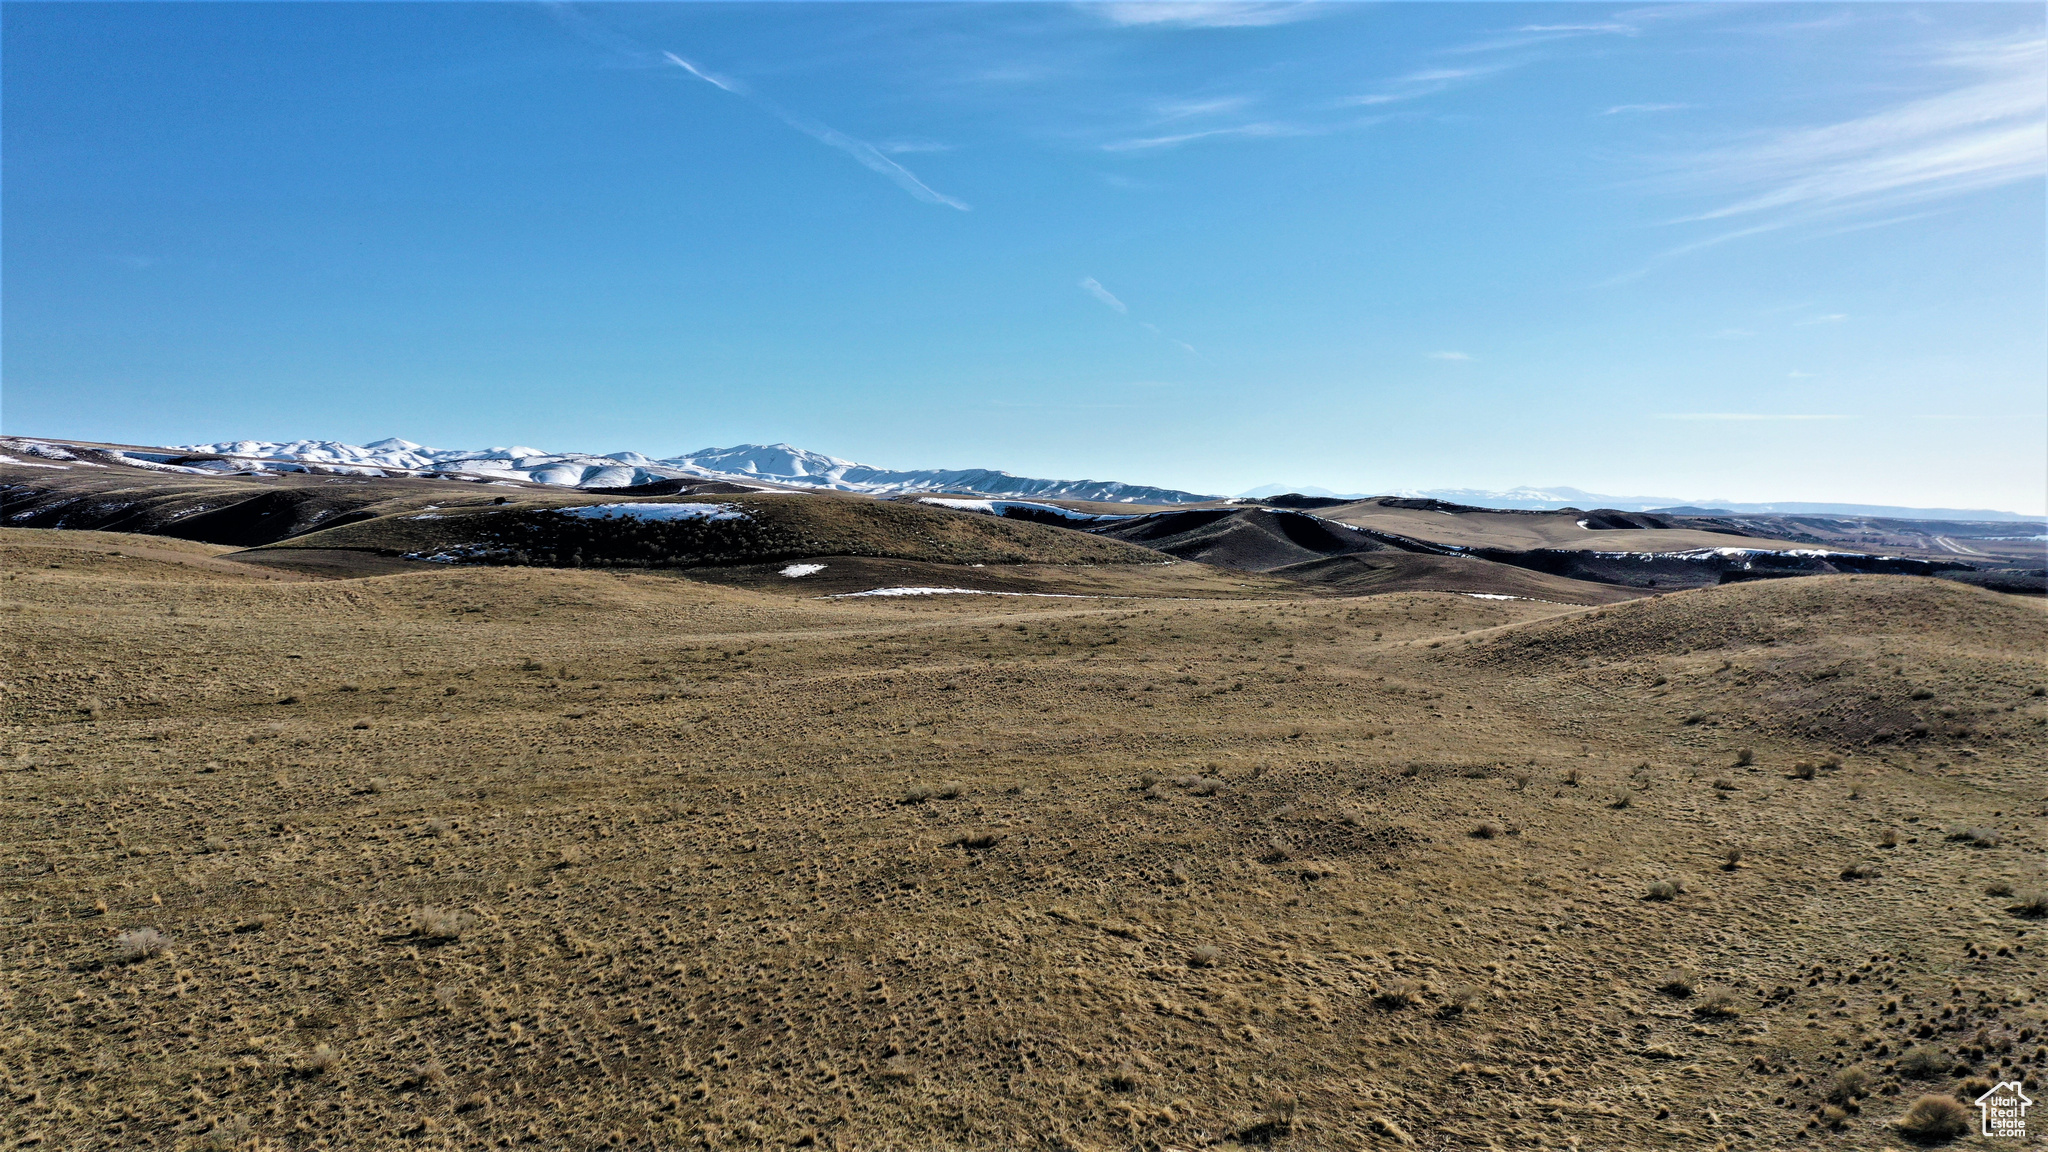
656,512
1002,508
35,464
1582,524
956,592
795,570
1737,554
41,448
1491,596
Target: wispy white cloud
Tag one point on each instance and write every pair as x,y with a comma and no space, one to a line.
716,81
1988,131
1415,85
1154,329
903,147
1176,13
1613,27
866,154
1261,128
1167,111
1629,109
1093,287
1450,356
1529,35
1748,416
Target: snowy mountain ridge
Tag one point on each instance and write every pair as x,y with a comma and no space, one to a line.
777,465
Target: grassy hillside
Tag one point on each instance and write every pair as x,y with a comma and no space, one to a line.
482,856
763,528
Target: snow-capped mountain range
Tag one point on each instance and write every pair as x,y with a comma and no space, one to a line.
782,466
765,465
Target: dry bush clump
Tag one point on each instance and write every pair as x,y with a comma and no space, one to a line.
1205,956
1731,859
1889,838
1977,837
322,1060
1924,1064
1858,872
1463,998
137,945
1485,830
1665,890
1934,1119
2031,906
1399,992
1678,984
231,1133
1744,757
438,923
1717,1004
1849,1084
1805,770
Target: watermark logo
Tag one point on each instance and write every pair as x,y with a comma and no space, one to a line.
2004,1110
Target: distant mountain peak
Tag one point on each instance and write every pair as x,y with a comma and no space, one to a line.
781,465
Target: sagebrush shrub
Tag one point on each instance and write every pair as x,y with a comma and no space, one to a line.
140,944
1935,1118
1924,1064
438,923
1717,1003
1849,1084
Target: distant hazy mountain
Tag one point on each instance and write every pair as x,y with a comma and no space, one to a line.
1562,497
773,464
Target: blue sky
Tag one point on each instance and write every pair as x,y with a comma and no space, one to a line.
1756,252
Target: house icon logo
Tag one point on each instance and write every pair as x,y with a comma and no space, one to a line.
2004,1110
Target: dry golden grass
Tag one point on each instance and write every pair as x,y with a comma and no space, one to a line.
476,858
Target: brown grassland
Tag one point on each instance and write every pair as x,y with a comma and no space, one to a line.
516,857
